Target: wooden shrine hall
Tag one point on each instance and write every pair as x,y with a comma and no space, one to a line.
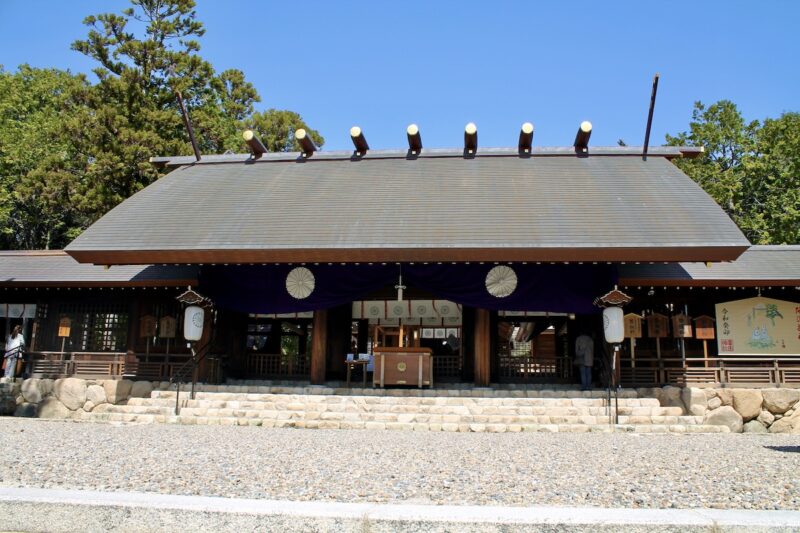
479,265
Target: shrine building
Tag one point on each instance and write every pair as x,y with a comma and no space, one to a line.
470,265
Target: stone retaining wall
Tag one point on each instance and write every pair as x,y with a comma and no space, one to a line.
742,410
769,410
69,397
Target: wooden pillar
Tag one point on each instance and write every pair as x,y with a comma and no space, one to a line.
319,344
363,335
482,348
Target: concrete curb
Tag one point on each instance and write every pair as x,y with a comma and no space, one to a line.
25,509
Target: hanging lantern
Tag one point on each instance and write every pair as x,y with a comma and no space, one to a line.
501,281
300,283
193,320
613,325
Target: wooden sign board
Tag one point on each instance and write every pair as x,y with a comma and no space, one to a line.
64,327
704,327
657,326
633,326
147,326
168,327
681,326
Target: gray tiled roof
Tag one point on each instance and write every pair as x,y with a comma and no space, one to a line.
760,265
559,207
54,268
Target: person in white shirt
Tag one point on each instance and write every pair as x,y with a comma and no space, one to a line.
15,342
584,358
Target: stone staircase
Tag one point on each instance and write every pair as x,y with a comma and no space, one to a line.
458,409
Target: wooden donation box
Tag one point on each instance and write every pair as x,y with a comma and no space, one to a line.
403,366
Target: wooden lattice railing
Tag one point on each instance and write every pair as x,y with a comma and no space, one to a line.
103,365
739,371
268,365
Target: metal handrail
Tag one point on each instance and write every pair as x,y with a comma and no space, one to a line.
180,374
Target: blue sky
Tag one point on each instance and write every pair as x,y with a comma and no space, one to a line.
383,65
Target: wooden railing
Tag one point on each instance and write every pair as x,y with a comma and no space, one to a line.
739,371
269,365
447,367
110,365
527,368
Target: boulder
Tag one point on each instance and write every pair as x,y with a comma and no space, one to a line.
88,406
26,410
71,392
34,390
141,389
103,408
747,403
695,401
671,397
725,396
766,418
754,426
725,416
710,393
787,424
52,408
95,394
117,390
778,401
714,402
8,405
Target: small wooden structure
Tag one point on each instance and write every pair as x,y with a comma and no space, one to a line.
403,366
633,331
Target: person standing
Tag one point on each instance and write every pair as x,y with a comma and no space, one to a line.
584,358
15,342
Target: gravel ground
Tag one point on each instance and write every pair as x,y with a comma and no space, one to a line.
613,470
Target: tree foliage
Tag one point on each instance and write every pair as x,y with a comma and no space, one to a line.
70,150
751,169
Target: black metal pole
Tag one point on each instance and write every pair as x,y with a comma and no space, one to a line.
650,117
188,125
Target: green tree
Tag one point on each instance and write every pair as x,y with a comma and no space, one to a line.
40,165
276,128
750,169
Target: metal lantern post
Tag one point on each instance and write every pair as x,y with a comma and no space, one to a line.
614,332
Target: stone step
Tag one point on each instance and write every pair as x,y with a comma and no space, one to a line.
197,406
166,396
601,416
319,390
406,426
254,400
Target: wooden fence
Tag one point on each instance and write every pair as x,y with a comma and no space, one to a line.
104,365
713,371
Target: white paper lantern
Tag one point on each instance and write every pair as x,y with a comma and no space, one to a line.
613,325
501,281
300,283
193,320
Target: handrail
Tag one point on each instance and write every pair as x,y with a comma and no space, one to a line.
192,363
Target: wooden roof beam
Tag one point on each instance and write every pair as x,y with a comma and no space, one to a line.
257,148
359,141
582,137
306,144
525,138
470,139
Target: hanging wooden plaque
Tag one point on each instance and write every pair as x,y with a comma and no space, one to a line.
633,326
147,326
64,327
704,327
167,327
681,326
657,326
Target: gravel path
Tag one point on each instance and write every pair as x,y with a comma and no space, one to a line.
614,470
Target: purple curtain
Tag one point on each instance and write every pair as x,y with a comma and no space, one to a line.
262,288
